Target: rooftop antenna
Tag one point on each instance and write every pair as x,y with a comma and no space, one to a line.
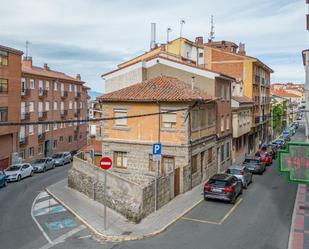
182,22
27,48
212,29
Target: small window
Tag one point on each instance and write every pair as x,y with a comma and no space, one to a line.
55,126
203,118
3,114
228,149
120,114
120,159
46,127
31,153
47,106
31,130
211,117
40,149
3,85
222,92
31,106
222,153
228,122
194,164
201,55
55,105
22,154
169,120
227,93
32,84
222,123
4,58
210,157
55,86
55,144
194,119
70,88
47,85
70,105
70,139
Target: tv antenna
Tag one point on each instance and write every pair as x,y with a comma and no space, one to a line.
27,48
212,29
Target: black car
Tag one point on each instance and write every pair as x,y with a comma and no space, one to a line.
223,187
255,165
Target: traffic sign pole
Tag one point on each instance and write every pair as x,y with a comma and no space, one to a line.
156,157
156,175
105,217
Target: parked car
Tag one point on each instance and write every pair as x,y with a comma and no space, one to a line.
286,138
266,157
3,181
270,149
255,165
292,130
281,143
41,165
223,187
62,158
17,172
242,173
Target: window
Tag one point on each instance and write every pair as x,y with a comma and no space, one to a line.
22,131
61,139
55,86
200,55
47,106
228,122
81,105
119,114
55,105
61,125
194,164
46,127
194,119
70,88
40,129
22,154
169,120
40,149
120,159
168,163
55,144
4,58
31,130
210,155
31,106
70,105
70,139
211,117
228,149
228,93
40,85
222,153
3,85
3,114
47,85
75,88
222,92
203,118
222,123
23,85
55,126
61,105
31,84
31,151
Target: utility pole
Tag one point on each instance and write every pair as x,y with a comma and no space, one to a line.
212,29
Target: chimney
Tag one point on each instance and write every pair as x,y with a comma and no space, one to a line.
192,83
199,40
27,61
153,36
78,77
242,50
46,67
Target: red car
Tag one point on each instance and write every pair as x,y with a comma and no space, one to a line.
266,157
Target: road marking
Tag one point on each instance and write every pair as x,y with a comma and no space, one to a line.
42,195
49,210
85,237
218,222
45,204
38,224
60,224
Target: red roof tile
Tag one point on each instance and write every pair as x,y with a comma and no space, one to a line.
161,88
284,94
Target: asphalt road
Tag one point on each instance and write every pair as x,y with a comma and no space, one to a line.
260,219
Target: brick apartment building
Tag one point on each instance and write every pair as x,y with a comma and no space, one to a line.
10,75
48,95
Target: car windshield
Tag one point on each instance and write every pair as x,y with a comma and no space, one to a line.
39,161
251,161
57,156
14,168
234,171
218,183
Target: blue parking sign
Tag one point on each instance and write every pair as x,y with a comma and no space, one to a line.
156,149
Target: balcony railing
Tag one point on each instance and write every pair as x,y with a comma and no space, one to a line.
77,95
24,116
41,137
42,93
42,116
23,141
63,113
64,94
25,93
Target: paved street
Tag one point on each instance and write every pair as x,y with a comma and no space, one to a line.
261,218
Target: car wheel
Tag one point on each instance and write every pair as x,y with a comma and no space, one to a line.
44,170
233,199
54,166
5,183
18,178
62,163
31,174
245,186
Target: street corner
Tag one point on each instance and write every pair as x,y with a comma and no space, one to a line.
211,212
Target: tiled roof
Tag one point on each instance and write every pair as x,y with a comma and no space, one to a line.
12,50
284,94
160,88
242,100
48,73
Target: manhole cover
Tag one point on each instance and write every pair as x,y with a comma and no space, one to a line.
126,233
304,207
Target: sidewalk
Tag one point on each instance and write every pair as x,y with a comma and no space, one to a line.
299,234
119,228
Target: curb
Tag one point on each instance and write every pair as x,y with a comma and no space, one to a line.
119,238
293,220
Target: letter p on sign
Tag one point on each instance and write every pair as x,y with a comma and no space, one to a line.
156,149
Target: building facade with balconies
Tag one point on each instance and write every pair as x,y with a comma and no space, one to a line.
48,95
10,75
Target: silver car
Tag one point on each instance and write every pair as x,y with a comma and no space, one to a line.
62,158
41,165
17,172
242,173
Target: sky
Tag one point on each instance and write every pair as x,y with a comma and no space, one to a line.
92,37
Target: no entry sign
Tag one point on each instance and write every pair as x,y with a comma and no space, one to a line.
106,163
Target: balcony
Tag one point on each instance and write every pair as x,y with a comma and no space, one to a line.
64,94
25,93
42,116
42,93
76,113
23,141
24,116
41,137
63,113
78,95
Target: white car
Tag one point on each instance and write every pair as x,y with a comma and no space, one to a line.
17,172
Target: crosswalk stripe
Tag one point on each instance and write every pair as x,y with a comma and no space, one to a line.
49,210
44,204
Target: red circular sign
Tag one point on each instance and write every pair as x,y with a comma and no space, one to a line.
106,163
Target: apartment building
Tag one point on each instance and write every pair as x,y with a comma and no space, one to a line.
10,75
187,132
48,95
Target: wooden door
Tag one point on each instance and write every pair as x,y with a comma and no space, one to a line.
177,182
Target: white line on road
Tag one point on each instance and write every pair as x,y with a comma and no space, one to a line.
42,195
85,237
45,204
